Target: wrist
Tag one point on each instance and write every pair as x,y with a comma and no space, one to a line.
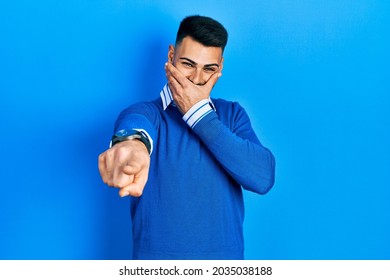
132,134
134,143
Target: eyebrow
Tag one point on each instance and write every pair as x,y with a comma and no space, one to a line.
193,62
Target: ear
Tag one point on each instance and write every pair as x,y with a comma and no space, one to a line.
221,64
171,53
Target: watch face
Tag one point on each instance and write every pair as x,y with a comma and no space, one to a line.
124,132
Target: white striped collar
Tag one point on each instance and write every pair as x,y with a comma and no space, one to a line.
167,99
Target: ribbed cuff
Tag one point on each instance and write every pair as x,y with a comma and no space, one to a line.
197,112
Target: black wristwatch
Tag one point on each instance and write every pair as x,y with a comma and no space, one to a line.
129,134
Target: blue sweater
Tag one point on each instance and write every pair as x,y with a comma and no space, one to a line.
192,205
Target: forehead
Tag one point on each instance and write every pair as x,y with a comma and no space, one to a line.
197,52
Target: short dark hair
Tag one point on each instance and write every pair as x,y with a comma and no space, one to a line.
204,30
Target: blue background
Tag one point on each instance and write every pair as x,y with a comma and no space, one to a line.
312,75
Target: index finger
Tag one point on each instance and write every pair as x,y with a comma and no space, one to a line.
173,72
136,187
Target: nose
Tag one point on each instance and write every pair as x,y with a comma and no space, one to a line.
197,77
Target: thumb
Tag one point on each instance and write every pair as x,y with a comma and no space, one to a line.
136,187
131,169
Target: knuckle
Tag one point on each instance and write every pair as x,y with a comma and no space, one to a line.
109,154
109,183
118,183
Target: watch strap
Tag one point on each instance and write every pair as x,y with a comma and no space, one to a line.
124,135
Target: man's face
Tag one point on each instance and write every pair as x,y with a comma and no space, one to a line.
196,61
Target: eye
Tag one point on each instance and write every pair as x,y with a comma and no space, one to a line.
187,64
210,69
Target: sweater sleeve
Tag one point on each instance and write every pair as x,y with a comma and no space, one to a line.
236,147
138,117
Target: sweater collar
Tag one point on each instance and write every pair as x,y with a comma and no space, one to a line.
167,99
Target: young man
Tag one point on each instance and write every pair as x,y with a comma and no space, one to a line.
184,157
